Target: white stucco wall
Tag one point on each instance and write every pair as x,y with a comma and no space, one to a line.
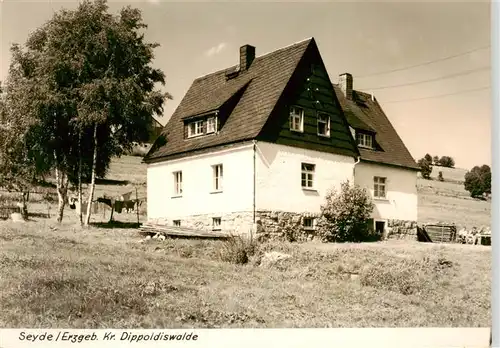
401,191
197,182
278,177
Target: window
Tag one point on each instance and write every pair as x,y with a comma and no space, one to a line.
216,223
178,183
308,223
177,223
379,187
195,128
296,119
324,125
307,175
211,125
364,140
217,173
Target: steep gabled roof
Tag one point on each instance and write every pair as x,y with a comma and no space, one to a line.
265,81
364,113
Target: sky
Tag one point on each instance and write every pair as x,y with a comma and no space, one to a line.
395,50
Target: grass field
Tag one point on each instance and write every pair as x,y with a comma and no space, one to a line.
61,276
449,202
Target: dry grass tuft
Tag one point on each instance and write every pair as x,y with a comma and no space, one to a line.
237,250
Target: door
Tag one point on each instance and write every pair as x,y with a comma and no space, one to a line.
379,227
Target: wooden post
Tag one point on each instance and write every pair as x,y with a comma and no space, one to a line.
137,206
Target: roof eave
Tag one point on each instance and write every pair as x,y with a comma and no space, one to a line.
401,166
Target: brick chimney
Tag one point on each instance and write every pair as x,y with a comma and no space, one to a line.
247,55
345,84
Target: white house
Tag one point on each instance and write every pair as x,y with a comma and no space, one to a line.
261,143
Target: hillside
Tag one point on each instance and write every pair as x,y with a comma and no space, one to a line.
449,202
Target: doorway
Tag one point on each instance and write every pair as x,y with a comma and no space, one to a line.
379,227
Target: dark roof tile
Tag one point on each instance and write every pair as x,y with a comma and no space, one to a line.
363,110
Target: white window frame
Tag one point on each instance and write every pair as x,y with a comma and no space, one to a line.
379,184
308,170
195,128
211,124
177,183
313,223
325,119
364,140
176,223
218,176
296,119
216,223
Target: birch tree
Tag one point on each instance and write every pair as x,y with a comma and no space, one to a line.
95,90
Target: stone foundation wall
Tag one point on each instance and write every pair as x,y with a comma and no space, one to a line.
235,223
402,229
284,225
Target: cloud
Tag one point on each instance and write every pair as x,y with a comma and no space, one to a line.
215,49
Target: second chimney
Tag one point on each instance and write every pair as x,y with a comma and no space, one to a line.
247,55
345,84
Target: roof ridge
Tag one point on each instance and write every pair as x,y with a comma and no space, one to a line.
284,47
256,57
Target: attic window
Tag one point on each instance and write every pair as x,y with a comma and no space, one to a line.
202,126
296,119
364,140
211,125
195,129
323,125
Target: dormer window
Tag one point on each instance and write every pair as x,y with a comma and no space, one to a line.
211,125
364,140
201,126
195,129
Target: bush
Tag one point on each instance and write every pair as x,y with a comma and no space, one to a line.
425,168
435,160
478,181
345,215
440,176
237,250
428,158
447,161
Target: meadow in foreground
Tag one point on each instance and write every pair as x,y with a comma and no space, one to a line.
62,276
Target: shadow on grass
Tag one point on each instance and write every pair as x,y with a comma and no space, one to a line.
111,182
116,224
39,215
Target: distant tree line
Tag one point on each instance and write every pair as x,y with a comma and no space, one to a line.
477,180
428,161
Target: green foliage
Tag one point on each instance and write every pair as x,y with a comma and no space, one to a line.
428,158
425,168
19,164
435,160
345,214
478,181
446,161
81,70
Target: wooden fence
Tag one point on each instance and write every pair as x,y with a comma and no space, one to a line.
437,233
